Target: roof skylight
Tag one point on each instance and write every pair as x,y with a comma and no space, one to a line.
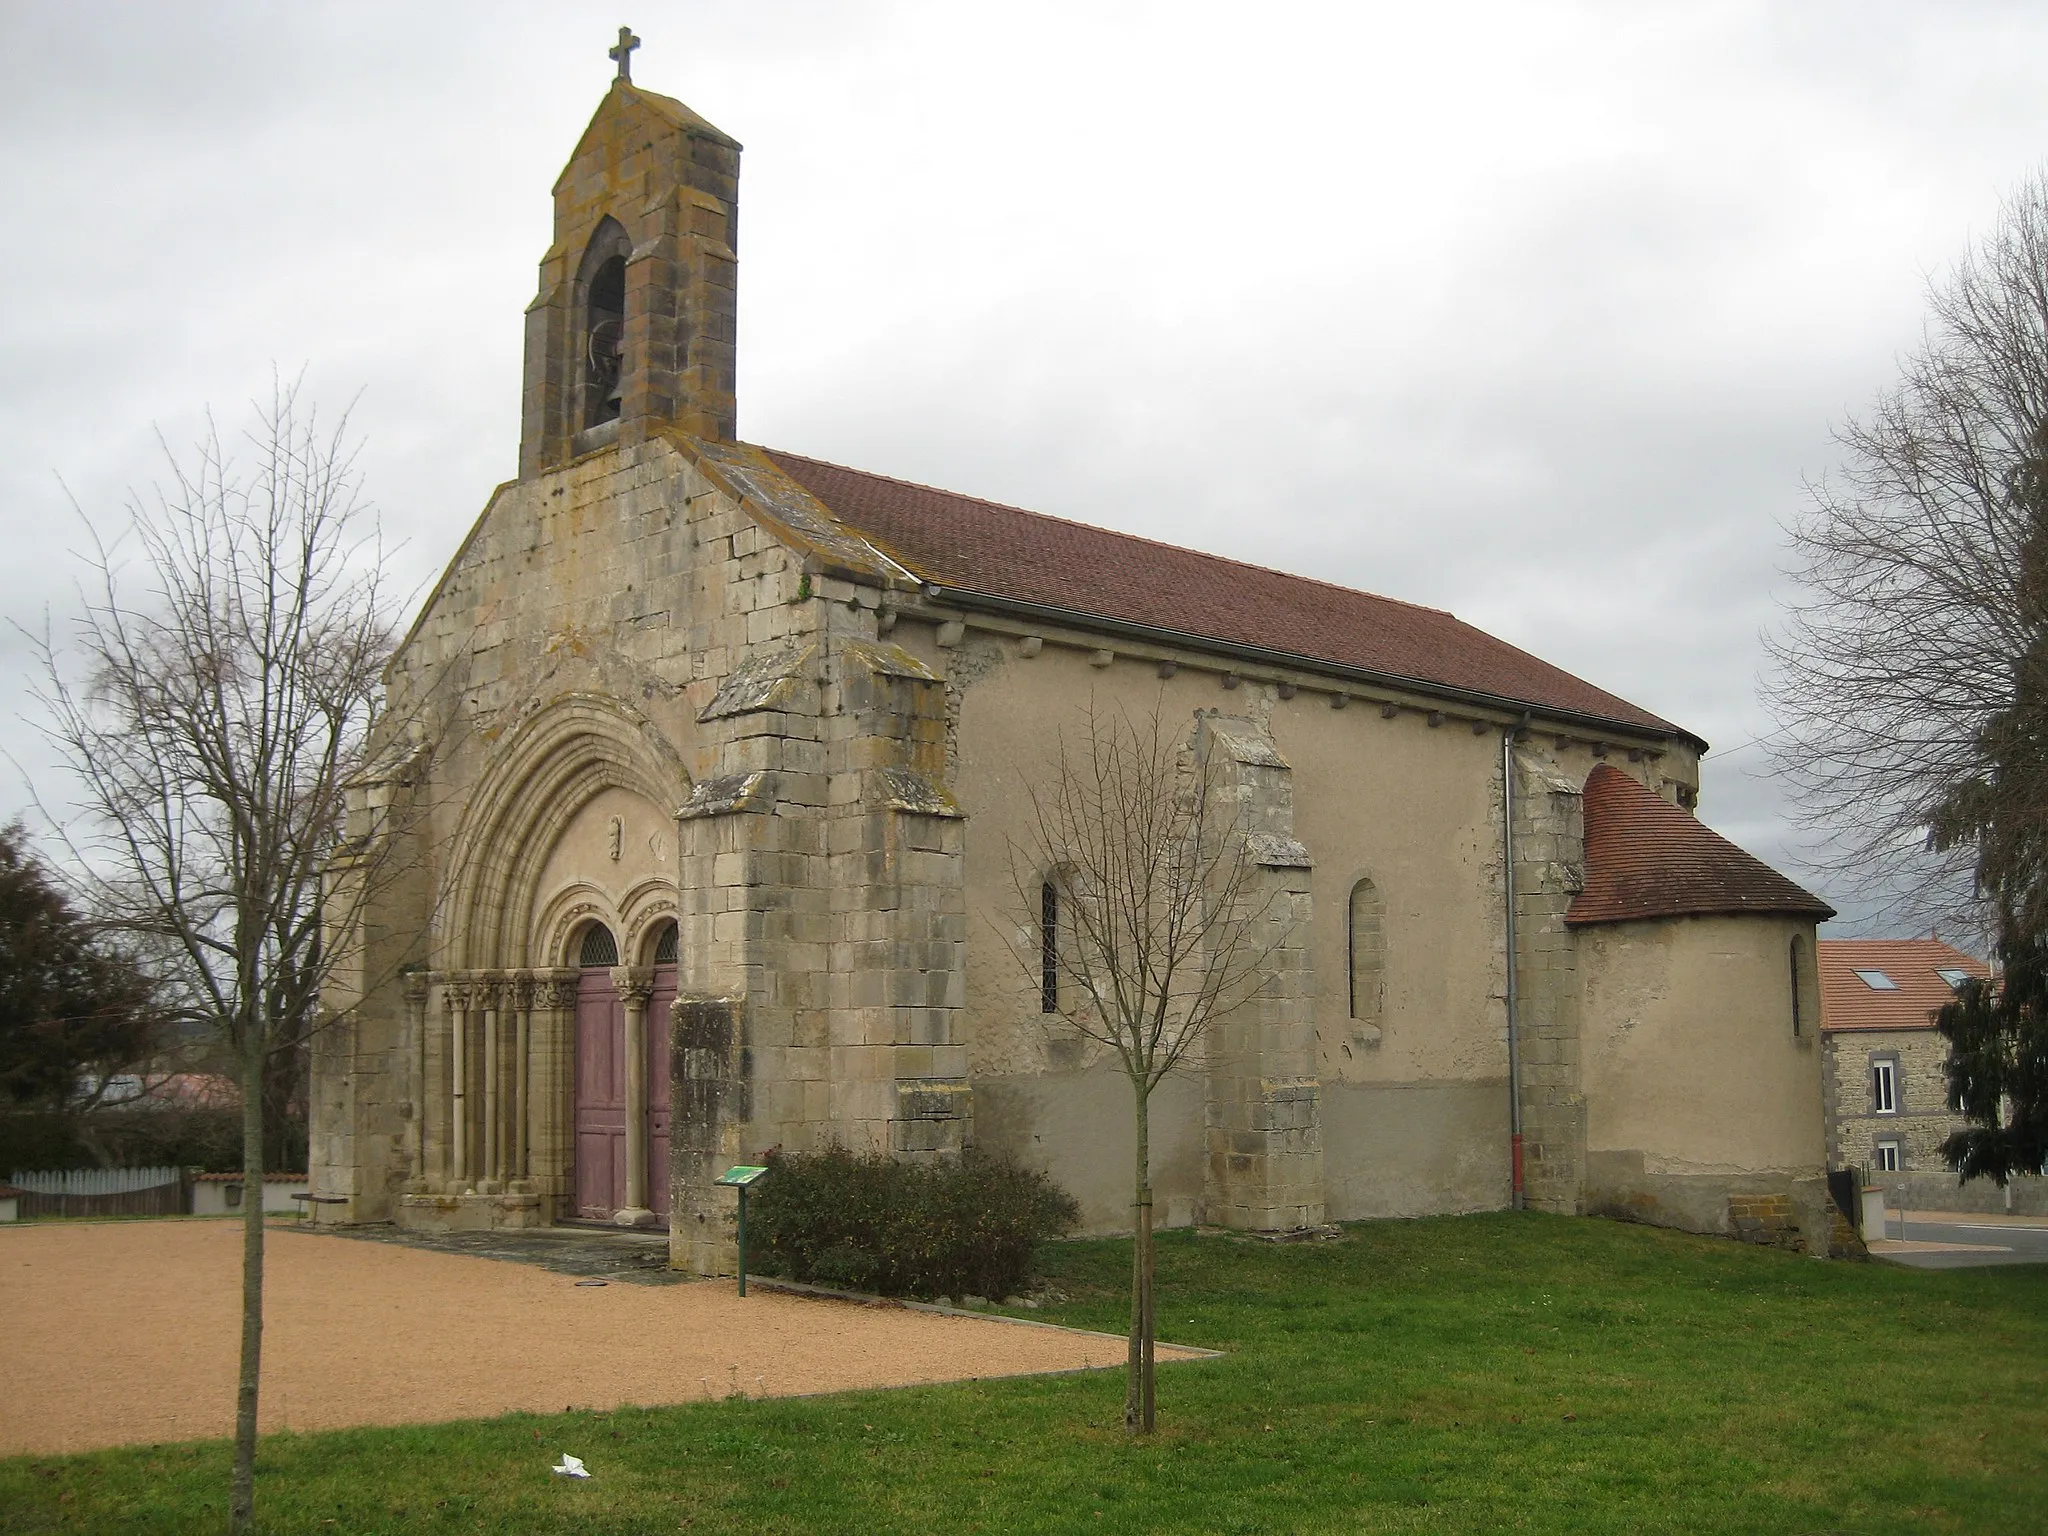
1877,981
1954,975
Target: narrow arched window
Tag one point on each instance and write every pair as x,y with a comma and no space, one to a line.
1048,948
1368,953
665,947
598,948
1798,971
601,325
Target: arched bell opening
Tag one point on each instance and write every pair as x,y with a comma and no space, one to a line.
601,323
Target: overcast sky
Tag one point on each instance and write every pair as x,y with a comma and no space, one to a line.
1538,312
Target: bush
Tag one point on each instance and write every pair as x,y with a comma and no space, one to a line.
947,1227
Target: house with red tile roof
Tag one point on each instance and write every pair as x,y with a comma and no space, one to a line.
715,853
1884,1073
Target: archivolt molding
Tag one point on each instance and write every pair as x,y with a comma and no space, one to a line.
646,907
563,917
568,752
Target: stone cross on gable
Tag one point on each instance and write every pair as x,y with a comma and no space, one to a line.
624,52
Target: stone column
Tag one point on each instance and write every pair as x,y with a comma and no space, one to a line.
414,985
551,1097
521,998
635,984
457,995
487,998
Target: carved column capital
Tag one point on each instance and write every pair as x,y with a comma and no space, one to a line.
556,988
415,984
520,989
634,983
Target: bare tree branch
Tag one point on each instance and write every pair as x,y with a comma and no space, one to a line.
1914,607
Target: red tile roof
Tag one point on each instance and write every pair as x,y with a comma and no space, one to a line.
986,548
1847,1001
1646,858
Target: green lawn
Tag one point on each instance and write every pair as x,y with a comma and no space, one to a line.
1507,1372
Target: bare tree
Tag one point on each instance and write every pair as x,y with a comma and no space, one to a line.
1142,923
1920,596
214,706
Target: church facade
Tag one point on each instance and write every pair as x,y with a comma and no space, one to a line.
702,766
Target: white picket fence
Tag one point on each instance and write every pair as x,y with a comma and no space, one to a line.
94,1181
102,1192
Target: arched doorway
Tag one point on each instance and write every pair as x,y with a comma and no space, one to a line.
659,1003
605,1094
600,1079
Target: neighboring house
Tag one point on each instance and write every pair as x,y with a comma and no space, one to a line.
220,1194
170,1090
736,742
1885,1073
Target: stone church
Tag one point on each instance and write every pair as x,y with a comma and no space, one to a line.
702,765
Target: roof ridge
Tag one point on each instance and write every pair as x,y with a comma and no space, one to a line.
1136,538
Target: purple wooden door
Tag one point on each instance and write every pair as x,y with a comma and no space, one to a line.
600,1096
658,1069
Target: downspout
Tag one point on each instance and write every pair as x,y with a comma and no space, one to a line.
1517,1197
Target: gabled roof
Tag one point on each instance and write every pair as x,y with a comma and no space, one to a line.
984,549
1646,858
1914,967
625,99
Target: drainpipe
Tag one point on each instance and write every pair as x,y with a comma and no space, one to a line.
1507,859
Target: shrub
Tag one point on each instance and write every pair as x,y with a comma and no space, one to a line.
947,1227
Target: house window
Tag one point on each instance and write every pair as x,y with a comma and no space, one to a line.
1877,981
1954,975
1884,1086
1884,1157
1048,948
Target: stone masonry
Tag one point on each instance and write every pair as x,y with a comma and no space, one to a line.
1549,853
1265,1150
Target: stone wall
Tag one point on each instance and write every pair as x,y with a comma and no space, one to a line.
1703,1101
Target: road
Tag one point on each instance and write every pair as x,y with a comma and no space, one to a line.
1951,1240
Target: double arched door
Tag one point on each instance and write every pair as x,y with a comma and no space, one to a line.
606,1155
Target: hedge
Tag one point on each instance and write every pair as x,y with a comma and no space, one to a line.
961,1226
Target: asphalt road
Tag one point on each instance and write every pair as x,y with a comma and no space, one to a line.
1993,1242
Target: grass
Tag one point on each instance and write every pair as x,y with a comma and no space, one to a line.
1509,1372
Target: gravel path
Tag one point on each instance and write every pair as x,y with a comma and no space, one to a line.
125,1332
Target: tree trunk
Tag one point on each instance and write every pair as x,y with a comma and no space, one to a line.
1138,1412
242,1491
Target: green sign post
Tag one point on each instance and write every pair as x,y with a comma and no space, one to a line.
742,1177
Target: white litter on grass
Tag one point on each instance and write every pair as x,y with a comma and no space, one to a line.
570,1467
